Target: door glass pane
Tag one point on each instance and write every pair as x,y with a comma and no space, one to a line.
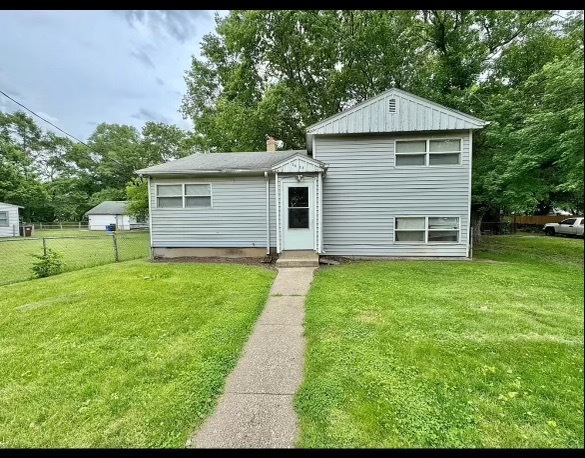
444,159
410,223
410,159
170,190
438,146
411,147
443,236
298,218
410,236
298,196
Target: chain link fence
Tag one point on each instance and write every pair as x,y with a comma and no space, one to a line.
77,251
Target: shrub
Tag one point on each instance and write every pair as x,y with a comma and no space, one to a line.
49,264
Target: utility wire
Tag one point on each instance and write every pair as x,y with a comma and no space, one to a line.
49,122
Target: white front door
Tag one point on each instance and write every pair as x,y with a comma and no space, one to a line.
298,206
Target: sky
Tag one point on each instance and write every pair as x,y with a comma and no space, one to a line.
81,68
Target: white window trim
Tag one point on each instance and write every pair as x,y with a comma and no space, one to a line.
428,152
426,230
7,219
183,189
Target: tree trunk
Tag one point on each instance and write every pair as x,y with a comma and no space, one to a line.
476,218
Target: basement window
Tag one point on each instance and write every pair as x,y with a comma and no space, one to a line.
427,229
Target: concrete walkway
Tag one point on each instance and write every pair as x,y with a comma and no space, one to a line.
256,410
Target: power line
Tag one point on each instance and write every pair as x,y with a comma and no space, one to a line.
49,122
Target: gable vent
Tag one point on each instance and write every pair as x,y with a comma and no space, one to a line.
392,106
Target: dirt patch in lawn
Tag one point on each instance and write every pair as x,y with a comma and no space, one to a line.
259,262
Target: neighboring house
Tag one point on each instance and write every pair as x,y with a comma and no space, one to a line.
9,220
111,212
390,176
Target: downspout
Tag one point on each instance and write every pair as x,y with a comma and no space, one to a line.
320,204
150,218
469,250
277,214
267,179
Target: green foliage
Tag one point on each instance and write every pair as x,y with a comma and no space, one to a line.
137,192
49,263
55,179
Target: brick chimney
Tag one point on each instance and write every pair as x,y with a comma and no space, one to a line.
271,144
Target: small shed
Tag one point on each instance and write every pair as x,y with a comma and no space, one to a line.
111,212
9,220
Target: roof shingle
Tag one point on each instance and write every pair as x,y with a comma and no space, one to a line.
109,207
222,162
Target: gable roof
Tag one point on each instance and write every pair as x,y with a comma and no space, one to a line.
412,113
10,205
299,164
222,163
109,207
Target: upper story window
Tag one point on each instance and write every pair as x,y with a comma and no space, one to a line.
192,195
439,152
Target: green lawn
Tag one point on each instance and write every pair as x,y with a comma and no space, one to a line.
448,354
123,355
80,249
67,233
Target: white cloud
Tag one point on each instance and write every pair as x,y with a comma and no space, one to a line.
88,67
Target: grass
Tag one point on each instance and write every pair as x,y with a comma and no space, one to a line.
122,355
67,233
448,354
80,249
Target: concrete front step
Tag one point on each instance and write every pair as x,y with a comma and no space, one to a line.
298,259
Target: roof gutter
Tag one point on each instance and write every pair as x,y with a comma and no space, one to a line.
204,172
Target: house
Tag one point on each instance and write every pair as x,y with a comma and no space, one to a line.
390,176
111,212
9,220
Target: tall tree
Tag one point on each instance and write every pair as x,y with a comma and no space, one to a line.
275,72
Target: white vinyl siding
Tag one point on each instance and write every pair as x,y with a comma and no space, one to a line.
412,114
9,221
99,222
183,195
237,218
363,193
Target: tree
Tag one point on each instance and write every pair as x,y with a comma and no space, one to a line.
163,142
276,72
137,192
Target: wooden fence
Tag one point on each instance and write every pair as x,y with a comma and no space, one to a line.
537,220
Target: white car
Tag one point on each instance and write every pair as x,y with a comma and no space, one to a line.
569,226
